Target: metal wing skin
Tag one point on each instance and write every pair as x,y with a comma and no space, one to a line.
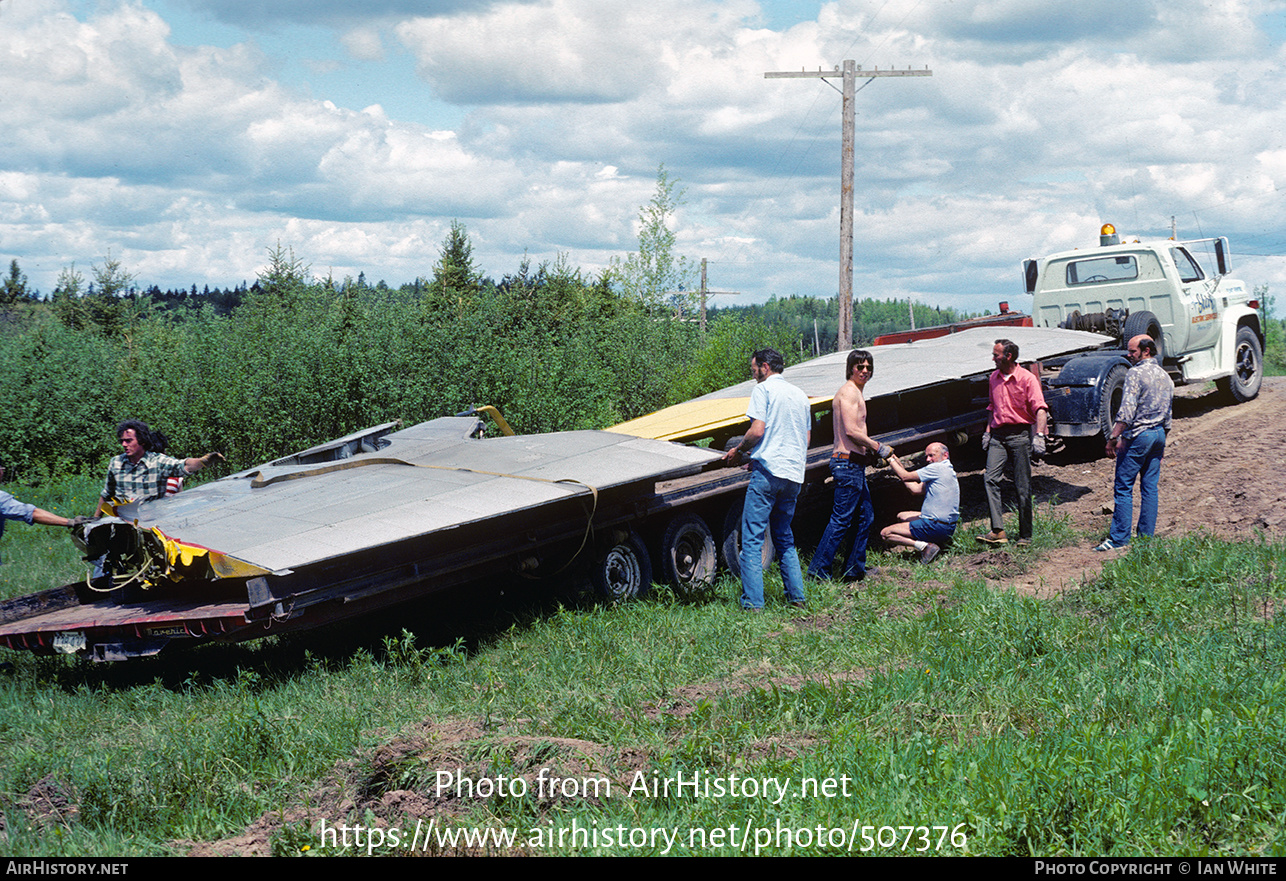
283,517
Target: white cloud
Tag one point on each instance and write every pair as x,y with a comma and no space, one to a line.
1039,123
364,44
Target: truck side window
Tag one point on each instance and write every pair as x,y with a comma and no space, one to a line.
1188,268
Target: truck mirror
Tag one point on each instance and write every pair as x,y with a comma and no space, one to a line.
1221,255
1029,275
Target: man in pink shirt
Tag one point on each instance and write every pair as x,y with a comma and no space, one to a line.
1017,404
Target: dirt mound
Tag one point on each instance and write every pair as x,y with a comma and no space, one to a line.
401,780
48,802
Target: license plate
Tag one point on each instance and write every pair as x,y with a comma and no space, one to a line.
69,641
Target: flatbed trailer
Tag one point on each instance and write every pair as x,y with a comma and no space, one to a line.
385,517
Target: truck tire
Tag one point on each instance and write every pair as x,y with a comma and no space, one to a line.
1109,400
1144,322
1247,368
688,559
622,571
730,547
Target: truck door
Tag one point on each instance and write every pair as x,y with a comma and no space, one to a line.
1196,292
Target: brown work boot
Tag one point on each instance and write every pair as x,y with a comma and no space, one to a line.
930,551
995,537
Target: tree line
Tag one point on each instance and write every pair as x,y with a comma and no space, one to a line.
297,360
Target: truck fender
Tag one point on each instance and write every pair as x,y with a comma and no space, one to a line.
1089,369
1234,319
1075,396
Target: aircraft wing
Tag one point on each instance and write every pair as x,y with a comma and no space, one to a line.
282,517
898,368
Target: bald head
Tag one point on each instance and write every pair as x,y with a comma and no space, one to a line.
936,452
1141,347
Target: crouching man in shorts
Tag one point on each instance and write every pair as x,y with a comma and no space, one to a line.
928,529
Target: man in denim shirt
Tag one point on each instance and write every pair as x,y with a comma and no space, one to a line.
12,509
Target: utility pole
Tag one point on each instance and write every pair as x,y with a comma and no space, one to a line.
706,293
850,73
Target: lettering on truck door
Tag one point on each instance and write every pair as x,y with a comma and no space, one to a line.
1203,328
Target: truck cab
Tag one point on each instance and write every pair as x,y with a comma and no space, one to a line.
1206,324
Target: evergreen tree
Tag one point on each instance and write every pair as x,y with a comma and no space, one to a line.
15,286
286,277
454,272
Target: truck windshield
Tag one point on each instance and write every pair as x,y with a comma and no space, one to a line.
1188,268
1121,268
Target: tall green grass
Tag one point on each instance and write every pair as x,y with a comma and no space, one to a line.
1142,714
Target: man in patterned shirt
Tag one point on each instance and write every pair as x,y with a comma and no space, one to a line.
139,473
1142,423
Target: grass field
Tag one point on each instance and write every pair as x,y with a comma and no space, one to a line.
1143,714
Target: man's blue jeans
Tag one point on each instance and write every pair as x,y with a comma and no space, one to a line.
852,498
1137,458
770,504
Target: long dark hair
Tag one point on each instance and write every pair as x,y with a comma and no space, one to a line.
152,441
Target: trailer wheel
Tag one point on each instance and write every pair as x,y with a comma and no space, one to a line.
1109,399
623,571
1247,368
1144,322
730,547
688,560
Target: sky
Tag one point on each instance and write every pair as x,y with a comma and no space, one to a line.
186,138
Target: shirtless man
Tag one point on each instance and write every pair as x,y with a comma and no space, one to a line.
853,449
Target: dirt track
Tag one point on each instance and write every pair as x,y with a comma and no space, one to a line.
1217,475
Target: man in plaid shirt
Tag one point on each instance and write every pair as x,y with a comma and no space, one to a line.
139,473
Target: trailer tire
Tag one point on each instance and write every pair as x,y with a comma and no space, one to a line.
730,547
1109,399
688,558
1144,322
622,571
1247,368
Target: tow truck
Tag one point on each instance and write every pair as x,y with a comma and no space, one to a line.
1206,324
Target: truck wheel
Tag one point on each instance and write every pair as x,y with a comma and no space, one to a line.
1144,322
1109,400
730,547
623,570
688,560
1247,368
